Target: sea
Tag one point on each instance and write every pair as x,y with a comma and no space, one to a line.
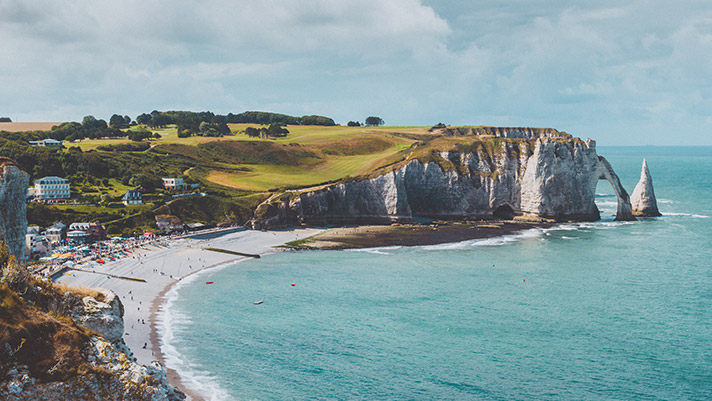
587,311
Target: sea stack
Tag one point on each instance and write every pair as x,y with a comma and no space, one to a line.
643,197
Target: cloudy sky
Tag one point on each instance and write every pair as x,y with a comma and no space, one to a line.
624,73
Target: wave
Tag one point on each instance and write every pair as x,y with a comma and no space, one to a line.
605,195
495,241
697,216
666,201
376,251
169,323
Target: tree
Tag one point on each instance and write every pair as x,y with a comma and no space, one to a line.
374,121
116,121
144,119
91,123
276,130
252,132
5,120
353,124
140,134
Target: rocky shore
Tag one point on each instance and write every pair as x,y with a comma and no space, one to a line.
440,232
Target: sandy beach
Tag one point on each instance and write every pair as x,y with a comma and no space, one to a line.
163,265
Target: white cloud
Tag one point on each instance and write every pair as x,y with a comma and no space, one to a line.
587,69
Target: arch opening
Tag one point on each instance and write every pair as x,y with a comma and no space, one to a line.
624,210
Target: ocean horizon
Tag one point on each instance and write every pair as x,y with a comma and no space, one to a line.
599,310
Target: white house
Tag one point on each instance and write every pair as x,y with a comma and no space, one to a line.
48,143
176,184
49,188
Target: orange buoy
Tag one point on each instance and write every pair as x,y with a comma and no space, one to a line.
524,280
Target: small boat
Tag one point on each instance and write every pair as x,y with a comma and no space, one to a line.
208,282
257,302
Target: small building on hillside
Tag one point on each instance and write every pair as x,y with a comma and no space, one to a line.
178,184
51,188
48,143
132,197
175,184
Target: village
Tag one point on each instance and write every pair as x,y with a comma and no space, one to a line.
80,244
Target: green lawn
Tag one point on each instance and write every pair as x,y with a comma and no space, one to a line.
263,177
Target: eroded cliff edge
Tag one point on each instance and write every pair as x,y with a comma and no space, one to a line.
500,172
13,211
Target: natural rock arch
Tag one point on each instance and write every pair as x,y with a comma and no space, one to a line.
624,211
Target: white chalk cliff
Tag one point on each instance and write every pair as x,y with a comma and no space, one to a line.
553,178
643,197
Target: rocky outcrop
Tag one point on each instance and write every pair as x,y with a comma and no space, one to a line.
123,379
549,178
95,364
13,212
105,317
643,197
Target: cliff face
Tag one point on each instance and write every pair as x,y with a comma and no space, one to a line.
548,178
13,212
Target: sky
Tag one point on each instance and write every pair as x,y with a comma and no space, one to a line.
621,72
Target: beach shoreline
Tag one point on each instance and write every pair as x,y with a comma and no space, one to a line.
161,267
164,267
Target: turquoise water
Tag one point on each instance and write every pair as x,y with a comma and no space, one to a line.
606,310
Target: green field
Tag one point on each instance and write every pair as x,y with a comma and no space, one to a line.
336,152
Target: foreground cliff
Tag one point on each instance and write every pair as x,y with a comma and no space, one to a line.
58,343
500,173
13,212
